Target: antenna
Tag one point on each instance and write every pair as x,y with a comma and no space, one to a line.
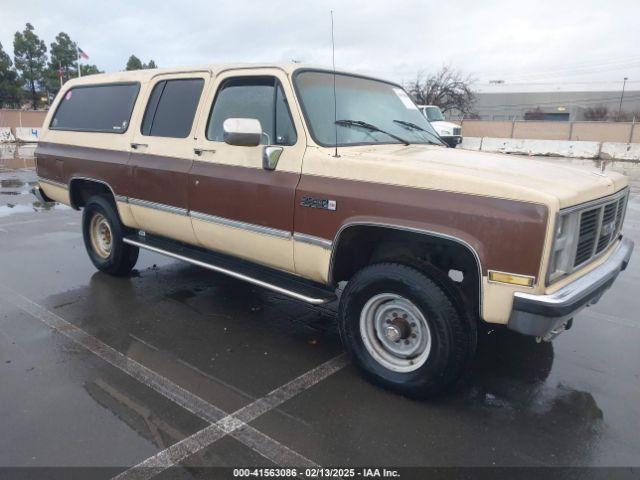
335,101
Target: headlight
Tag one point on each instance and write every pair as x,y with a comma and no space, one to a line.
564,246
446,132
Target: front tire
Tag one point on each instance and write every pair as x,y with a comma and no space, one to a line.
404,331
103,234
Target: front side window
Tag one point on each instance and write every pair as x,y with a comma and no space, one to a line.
172,107
96,108
261,98
364,107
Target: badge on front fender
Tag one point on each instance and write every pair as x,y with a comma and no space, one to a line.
321,203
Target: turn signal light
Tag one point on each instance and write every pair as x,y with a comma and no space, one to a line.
511,278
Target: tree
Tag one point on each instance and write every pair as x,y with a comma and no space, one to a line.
621,116
30,55
89,70
134,63
64,55
448,89
596,114
10,91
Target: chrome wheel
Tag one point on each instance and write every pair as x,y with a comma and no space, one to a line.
101,237
395,332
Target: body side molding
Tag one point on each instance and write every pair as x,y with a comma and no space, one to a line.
313,240
252,227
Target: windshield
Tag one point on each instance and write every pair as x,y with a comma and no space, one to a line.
360,101
433,114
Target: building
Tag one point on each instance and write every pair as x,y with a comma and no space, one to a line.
503,101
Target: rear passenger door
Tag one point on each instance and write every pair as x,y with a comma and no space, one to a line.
237,206
162,154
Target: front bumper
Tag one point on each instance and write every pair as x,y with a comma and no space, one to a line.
452,140
541,315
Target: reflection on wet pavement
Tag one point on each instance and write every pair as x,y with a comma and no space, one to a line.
16,181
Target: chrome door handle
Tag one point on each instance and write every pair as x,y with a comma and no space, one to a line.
199,151
135,146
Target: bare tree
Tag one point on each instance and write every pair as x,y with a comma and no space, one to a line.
447,88
622,116
598,113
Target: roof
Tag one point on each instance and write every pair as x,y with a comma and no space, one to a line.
146,75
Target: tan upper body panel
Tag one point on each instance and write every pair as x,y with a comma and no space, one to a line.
478,173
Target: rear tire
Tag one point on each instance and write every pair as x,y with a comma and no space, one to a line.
404,331
103,234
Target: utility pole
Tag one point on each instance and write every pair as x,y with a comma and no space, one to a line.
622,96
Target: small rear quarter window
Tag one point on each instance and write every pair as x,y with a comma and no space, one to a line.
96,108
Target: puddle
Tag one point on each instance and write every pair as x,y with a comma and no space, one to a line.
15,186
13,209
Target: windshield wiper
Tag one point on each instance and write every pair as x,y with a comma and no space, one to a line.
368,126
414,126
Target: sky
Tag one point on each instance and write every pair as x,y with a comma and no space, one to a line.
527,44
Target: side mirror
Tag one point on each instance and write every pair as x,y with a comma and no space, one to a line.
270,157
243,132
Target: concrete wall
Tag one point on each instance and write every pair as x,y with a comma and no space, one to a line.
482,128
602,131
619,132
21,118
625,152
541,130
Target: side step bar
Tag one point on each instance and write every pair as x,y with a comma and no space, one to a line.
275,280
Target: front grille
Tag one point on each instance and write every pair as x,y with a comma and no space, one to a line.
587,236
457,130
599,228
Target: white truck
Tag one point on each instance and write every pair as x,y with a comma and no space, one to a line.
451,133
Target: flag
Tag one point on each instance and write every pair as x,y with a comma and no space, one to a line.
81,54
60,73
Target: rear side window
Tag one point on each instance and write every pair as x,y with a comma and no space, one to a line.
96,108
172,107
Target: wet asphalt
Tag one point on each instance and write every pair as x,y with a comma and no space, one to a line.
573,402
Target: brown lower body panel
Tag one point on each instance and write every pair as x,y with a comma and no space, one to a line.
507,235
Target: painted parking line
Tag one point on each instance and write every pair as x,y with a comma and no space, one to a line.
222,423
235,424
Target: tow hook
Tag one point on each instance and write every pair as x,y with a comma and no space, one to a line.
555,332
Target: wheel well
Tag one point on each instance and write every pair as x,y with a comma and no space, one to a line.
451,263
80,190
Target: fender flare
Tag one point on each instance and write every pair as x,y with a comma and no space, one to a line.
415,230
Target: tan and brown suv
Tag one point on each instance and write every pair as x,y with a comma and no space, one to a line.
297,180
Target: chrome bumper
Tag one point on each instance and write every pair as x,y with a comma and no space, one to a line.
541,315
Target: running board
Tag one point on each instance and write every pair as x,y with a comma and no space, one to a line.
275,280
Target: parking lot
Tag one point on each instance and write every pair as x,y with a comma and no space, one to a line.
180,367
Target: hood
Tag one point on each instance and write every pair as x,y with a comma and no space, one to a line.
552,181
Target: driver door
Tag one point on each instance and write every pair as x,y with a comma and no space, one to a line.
237,206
